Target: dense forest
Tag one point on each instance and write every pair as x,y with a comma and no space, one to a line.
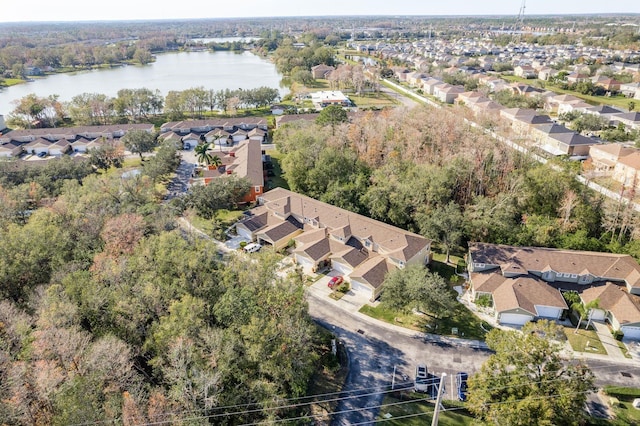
111,312
427,171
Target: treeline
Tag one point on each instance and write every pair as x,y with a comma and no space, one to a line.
427,171
134,106
109,312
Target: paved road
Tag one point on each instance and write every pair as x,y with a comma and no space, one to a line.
375,348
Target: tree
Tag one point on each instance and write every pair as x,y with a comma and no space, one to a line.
332,115
631,106
202,153
414,287
108,154
584,310
139,141
216,161
443,224
526,382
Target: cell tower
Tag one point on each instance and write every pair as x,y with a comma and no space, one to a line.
520,18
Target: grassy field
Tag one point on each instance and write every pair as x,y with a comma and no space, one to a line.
12,81
412,410
379,100
469,326
625,413
583,337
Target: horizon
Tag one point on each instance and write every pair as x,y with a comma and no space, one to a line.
44,11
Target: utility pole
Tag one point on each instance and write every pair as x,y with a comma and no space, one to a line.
393,380
436,412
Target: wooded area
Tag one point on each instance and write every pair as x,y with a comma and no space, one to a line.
427,171
109,311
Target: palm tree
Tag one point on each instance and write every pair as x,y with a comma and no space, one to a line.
203,154
216,161
585,310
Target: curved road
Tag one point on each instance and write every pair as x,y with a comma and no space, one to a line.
375,348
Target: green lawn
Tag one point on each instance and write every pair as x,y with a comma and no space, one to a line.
12,81
579,341
379,100
468,325
625,413
411,410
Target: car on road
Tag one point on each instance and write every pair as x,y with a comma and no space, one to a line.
461,385
252,248
335,281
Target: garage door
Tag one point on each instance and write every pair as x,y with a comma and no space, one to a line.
548,312
245,233
516,319
341,268
597,314
304,262
361,289
631,332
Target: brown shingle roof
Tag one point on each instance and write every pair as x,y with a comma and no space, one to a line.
616,299
603,266
373,271
403,245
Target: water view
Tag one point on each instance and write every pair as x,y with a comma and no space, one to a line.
171,71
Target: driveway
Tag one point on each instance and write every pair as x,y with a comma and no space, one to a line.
180,183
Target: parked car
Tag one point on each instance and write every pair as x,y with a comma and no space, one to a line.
422,381
42,154
335,281
252,248
461,385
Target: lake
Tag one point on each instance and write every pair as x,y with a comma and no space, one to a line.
170,71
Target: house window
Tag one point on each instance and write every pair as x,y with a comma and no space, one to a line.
257,189
367,243
479,265
574,275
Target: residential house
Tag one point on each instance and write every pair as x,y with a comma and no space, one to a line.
38,146
605,111
630,119
428,85
545,73
10,149
447,93
191,140
524,71
558,140
321,71
606,83
362,249
630,89
604,157
244,161
524,283
576,77
60,147
627,170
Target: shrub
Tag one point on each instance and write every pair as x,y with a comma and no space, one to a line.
623,392
343,288
484,300
243,244
617,334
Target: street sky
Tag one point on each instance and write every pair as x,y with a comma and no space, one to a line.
83,10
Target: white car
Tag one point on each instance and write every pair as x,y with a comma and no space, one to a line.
252,248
